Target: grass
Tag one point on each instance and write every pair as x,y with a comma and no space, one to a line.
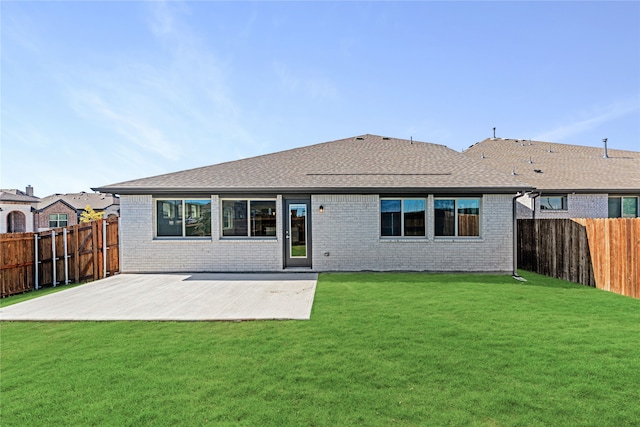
380,349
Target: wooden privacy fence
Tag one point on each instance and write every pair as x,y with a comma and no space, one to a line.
602,253
75,254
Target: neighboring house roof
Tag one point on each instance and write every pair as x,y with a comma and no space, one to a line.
11,195
365,164
553,167
78,201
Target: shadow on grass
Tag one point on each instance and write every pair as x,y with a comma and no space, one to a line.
535,279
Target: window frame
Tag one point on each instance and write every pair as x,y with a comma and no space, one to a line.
402,214
248,201
622,198
183,201
58,220
563,197
455,216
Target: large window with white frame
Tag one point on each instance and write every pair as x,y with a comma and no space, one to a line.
183,218
248,218
402,217
58,220
456,217
623,207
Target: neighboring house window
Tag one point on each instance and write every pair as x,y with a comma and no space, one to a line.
248,218
402,217
553,203
16,222
457,217
183,218
58,220
623,207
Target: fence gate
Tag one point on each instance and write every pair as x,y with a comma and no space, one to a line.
80,253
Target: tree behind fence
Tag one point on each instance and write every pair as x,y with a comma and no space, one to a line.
89,250
602,253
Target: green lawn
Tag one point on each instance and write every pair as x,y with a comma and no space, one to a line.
380,349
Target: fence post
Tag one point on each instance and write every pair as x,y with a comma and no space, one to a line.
36,236
104,248
53,255
66,257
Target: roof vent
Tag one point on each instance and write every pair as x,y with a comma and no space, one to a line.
530,160
606,153
482,157
359,138
537,170
386,138
494,133
549,150
513,171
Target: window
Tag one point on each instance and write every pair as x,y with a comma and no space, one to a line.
183,218
248,218
623,207
402,217
457,217
58,220
553,203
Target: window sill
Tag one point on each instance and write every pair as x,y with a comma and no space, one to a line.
249,239
182,239
403,239
452,239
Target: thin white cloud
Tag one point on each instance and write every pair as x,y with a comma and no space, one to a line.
594,119
134,129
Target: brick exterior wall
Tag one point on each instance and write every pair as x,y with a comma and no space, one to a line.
140,252
348,230
578,206
42,218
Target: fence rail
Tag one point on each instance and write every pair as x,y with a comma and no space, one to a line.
602,253
74,254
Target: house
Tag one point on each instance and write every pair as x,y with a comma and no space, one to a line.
362,203
16,210
61,210
570,181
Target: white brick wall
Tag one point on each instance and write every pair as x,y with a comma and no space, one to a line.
578,206
348,230
141,253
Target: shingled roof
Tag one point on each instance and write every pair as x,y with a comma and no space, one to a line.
13,195
365,164
553,167
79,201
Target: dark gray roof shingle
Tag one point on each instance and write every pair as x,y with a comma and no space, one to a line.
557,167
366,163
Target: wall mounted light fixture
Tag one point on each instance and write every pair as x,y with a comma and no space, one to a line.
321,209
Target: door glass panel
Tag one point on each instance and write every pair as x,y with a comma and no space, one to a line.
298,230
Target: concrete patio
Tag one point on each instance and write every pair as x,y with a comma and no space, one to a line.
182,297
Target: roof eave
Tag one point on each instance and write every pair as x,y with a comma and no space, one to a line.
186,191
587,190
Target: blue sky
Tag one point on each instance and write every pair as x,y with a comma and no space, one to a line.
94,93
